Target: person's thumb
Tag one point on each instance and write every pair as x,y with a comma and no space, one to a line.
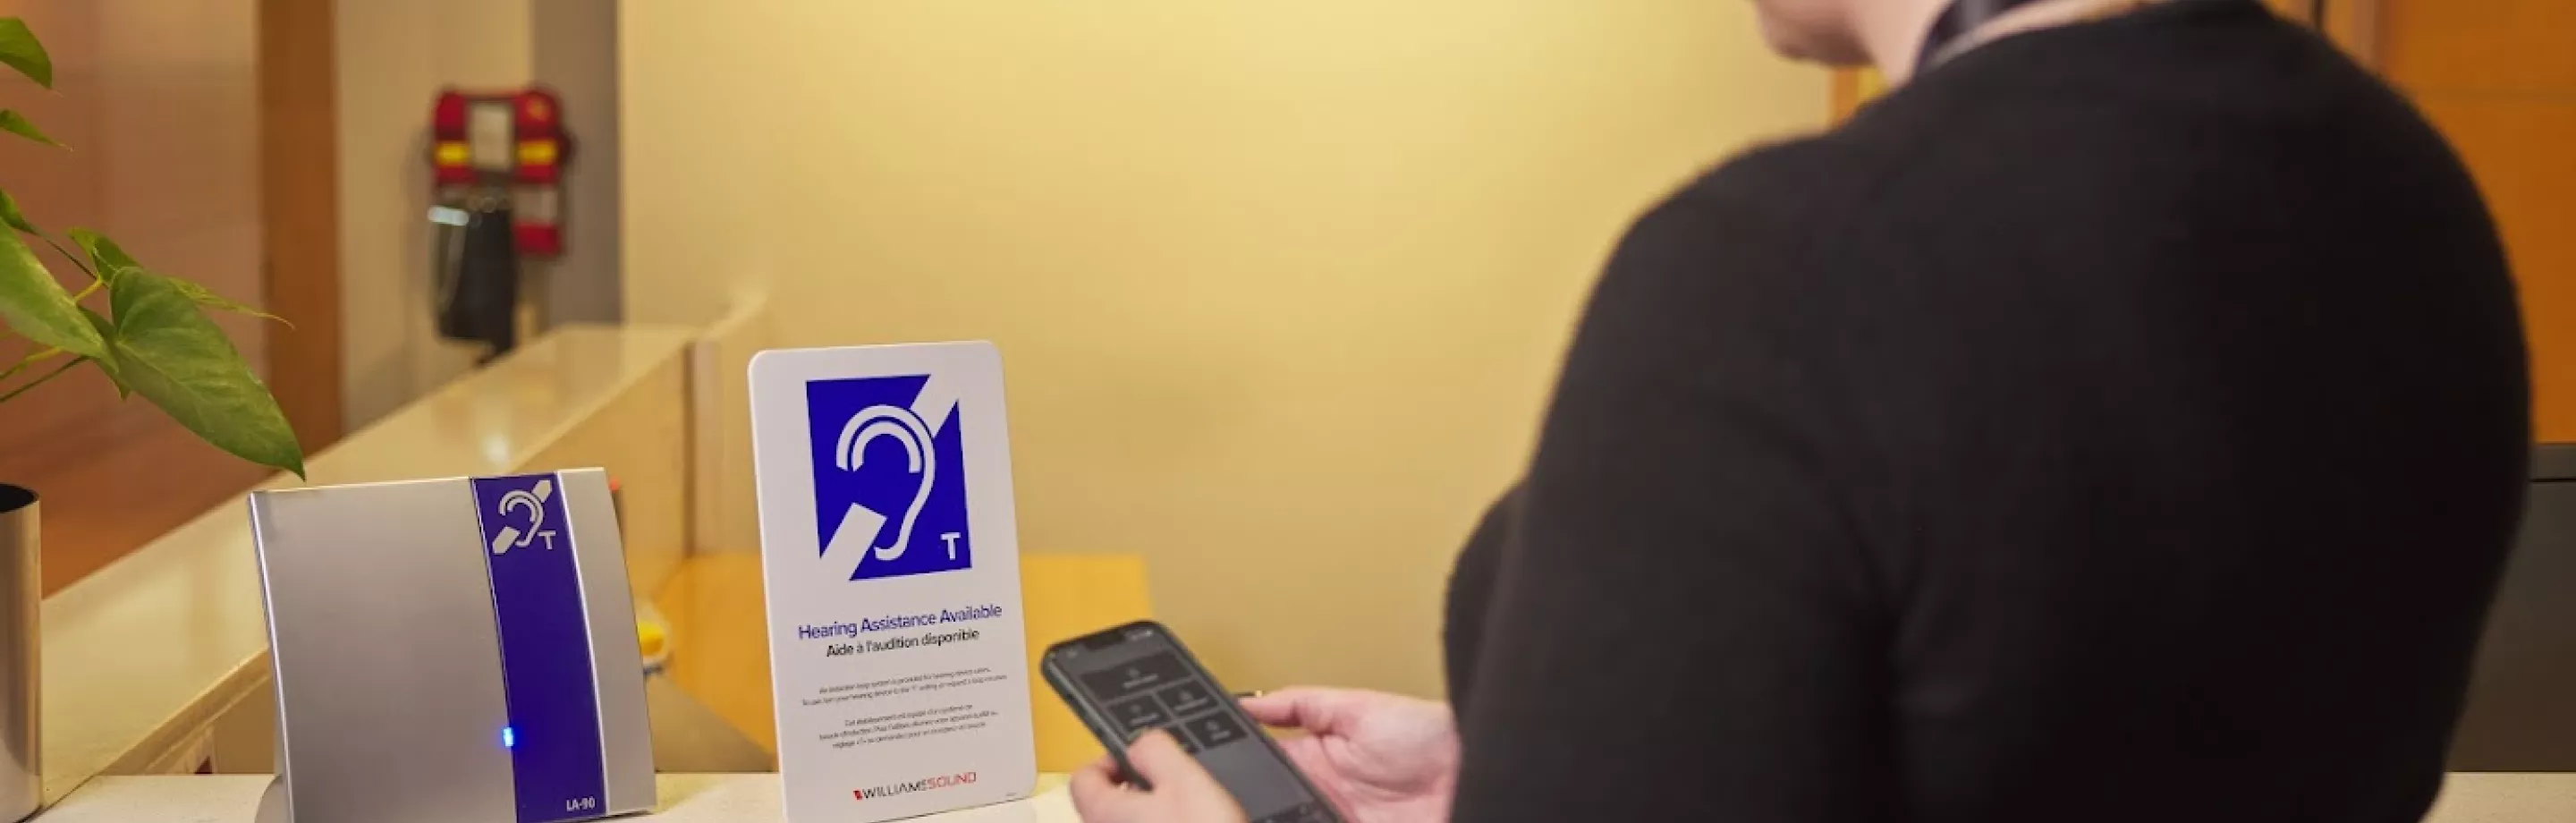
1159,759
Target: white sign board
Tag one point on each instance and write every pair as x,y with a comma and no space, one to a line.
892,559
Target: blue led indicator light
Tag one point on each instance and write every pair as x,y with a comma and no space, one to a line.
509,739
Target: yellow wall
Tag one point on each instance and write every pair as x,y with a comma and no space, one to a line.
1280,286
178,138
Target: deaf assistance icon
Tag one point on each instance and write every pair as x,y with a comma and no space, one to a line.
889,476
532,502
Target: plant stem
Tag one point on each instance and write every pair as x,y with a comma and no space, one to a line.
68,255
85,293
30,360
57,372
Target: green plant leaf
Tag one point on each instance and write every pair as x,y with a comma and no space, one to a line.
20,50
109,260
16,219
173,355
208,298
13,122
35,306
104,255
107,331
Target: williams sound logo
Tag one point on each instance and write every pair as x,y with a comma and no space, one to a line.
889,476
944,781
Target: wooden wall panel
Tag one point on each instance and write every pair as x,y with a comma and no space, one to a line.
2480,46
153,97
2499,78
299,213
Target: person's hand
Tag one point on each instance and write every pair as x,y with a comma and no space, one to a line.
1183,792
1382,758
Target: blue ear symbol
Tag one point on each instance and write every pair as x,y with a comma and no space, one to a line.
906,428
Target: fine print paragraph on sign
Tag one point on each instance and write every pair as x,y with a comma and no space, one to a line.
908,725
947,719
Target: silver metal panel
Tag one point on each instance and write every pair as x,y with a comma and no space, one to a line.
20,756
617,666
390,700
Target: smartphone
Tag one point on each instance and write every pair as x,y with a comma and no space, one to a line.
1132,678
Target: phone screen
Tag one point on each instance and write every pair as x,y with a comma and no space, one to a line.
1141,679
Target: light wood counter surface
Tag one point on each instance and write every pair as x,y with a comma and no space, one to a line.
686,798
753,798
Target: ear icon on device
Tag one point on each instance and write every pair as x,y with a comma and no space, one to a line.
533,499
850,453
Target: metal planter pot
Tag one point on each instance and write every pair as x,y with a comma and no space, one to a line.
20,786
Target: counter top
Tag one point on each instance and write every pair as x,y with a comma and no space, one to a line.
686,798
753,798
153,646
2506,798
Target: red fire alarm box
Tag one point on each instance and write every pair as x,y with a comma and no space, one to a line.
506,140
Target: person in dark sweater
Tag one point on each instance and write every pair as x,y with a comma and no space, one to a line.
2123,420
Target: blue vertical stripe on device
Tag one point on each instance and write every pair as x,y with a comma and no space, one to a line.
556,762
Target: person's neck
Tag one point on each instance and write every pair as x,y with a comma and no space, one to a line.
1893,31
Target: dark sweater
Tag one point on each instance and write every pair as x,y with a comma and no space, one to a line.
2122,422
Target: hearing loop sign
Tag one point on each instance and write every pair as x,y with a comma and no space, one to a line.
891,558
